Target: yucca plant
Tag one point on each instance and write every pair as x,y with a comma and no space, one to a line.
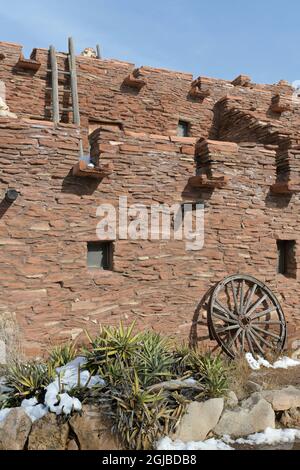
140,417
215,375
112,343
153,361
27,380
61,355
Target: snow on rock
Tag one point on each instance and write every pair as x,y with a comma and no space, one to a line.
34,409
69,376
281,363
72,375
268,437
210,444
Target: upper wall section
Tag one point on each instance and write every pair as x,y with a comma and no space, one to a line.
144,100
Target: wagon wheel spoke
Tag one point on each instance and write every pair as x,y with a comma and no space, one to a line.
244,315
256,305
262,339
264,313
225,310
234,296
250,298
249,342
256,342
241,297
266,332
225,319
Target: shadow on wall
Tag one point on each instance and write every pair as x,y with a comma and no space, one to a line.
80,186
4,206
200,323
277,201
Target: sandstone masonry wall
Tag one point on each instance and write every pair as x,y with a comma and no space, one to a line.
43,235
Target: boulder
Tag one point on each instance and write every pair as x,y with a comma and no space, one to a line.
92,430
283,399
72,445
254,415
200,418
296,355
48,433
291,418
232,400
14,430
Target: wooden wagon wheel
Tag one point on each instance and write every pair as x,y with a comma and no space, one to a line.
245,316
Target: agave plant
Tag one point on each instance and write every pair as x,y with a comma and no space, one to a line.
153,361
141,417
112,343
27,380
61,355
215,375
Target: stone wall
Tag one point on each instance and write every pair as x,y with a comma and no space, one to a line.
44,276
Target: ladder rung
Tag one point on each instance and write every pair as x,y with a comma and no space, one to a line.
65,88
59,71
61,109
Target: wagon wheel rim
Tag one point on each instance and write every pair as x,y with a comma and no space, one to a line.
245,316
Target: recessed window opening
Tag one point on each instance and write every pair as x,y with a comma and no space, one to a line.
183,128
100,255
286,258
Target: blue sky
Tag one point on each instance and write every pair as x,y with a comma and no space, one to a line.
217,38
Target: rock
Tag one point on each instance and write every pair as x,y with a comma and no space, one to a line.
2,352
14,430
253,386
48,434
296,354
295,344
254,415
199,420
291,418
93,430
72,445
232,400
4,110
283,399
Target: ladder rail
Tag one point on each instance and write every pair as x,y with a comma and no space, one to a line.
73,75
54,91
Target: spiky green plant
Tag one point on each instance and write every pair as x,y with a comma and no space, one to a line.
62,354
215,375
140,416
153,361
27,380
112,343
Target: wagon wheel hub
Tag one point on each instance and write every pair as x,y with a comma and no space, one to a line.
245,316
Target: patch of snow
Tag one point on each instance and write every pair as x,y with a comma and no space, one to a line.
3,413
210,444
71,375
190,381
281,363
34,409
60,402
271,436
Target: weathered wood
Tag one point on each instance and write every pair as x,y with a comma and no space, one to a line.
98,52
54,82
179,384
73,75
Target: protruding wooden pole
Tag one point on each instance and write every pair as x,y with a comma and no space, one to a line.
98,52
73,75
54,80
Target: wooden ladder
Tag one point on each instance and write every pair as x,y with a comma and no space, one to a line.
71,73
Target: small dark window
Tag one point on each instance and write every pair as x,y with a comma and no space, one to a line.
286,259
183,128
100,255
